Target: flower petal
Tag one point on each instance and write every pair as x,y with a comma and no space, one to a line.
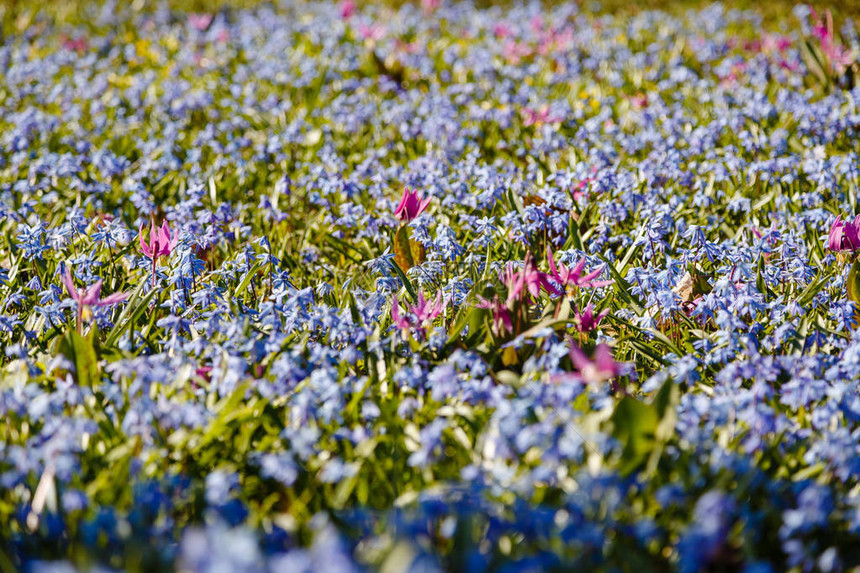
69,283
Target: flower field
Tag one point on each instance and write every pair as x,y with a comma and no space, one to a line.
318,287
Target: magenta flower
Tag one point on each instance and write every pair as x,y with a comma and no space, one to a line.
513,51
501,316
538,116
89,297
372,33
528,279
200,22
430,6
80,44
588,321
422,312
401,322
573,277
502,30
412,204
160,244
160,241
844,236
600,368
347,9
838,57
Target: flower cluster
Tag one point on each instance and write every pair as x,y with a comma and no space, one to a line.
331,286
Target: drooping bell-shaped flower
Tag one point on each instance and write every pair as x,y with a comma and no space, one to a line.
160,244
160,241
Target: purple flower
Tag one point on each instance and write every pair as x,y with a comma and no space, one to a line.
160,244
587,320
600,368
844,236
160,241
528,279
89,297
412,204
573,277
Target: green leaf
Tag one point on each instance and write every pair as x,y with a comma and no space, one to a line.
131,313
226,409
407,284
760,285
665,402
623,288
553,323
471,317
246,280
813,288
402,248
81,351
852,284
634,424
353,309
701,286
574,234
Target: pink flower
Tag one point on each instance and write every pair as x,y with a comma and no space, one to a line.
790,66
775,43
732,76
552,40
160,244
502,30
574,277
79,44
421,313
424,311
430,6
844,236
412,204
639,101
600,368
538,117
501,317
581,187
200,21
372,33
160,241
822,29
347,9
204,372
89,297
399,321
588,321
407,47
513,51
528,279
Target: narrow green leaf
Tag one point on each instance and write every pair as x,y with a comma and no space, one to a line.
81,352
407,284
